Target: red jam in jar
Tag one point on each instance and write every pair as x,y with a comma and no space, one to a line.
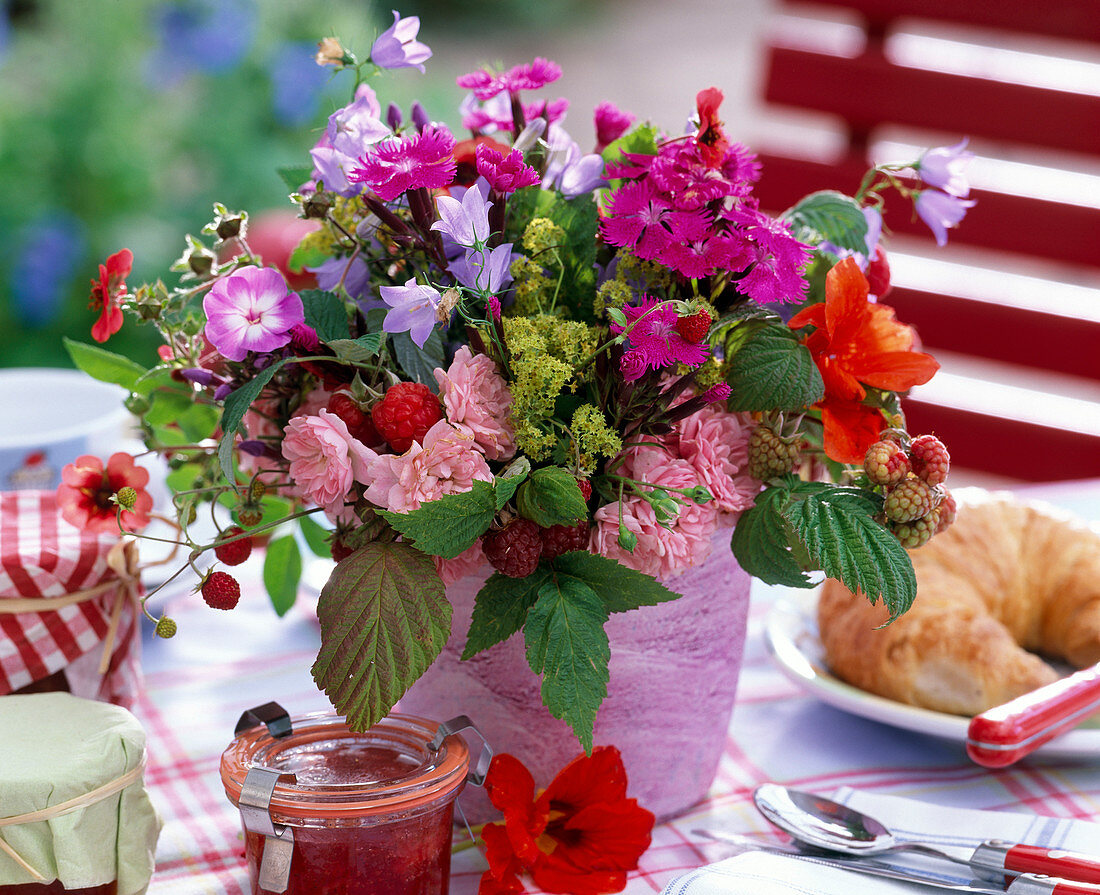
55,888
371,812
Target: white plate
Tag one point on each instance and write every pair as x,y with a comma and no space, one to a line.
790,632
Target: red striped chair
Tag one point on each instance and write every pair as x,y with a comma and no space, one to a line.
1012,306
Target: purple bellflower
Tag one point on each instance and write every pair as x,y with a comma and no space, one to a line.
397,46
465,221
945,168
941,211
484,271
412,310
251,310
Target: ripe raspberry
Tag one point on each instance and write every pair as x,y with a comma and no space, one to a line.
514,549
695,327
344,542
586,489
878,273
931,461
220,590
559,539
234,553
359,424
250,514
916,533
770,455
909,500
885,463
947,510
166,628
405,413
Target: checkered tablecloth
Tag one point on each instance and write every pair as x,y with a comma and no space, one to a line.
221,663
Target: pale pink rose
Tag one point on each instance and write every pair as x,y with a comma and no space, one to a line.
325,460
468,562
661,552
448,462
716,444
477,401
259,423
317,399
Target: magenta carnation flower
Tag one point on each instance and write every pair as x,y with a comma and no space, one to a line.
505,174
486,84
654,340
425,159
447,462
251,310
325,460
611,123
477,401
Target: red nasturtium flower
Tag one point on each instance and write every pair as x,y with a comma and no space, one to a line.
579,836
857,343
712,140
84,494
106,292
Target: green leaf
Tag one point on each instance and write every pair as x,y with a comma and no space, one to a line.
325,313
620,589
551,496
316,536
419,363
104,365
282,571
567,645
641,140
500,608
773,371
355,351
847,543
158,377
449,525
294,175
761,542
829,216
506,487
307,254
236,404
384,618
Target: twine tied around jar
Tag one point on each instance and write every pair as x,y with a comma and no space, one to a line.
74,804
122,559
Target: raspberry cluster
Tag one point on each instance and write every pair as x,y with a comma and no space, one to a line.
770,454
916,504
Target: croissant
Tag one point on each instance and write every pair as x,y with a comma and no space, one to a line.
1008,580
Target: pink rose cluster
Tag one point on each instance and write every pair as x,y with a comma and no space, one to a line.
708,448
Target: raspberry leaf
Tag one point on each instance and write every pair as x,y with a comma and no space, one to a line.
844,540
619,588
419,363
551,496
282,571
449,525
567,645
500,608
325,313
352,351
316,536
829,216
384,619
761,541
773,371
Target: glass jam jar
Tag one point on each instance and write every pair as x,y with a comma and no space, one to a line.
55,888
370,813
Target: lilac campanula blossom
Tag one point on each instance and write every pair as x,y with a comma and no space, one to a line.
397,46
210,36
297,83
941,211
569,171
465,221
47,253
394,116
412,310
420,117
251,310
351,131
489,272
354,272
945,168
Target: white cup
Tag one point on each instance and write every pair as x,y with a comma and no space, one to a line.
49,417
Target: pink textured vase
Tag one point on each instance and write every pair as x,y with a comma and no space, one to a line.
674,671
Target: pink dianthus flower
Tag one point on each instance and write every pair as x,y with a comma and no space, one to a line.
505,174
716,444
447,462
422,160
655,341
325,459
532,76
477,401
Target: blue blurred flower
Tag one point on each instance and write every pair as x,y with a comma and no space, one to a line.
297,82
47,253
210,36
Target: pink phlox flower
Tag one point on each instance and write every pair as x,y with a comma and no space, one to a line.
477,401
251,310
716,444
660,551
412,309
425,159
469,562
505,174
945,168
447,462
654,336
532,76
325,459
611,123
397,46
466,221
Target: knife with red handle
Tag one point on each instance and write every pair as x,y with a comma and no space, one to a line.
997,856
1006,733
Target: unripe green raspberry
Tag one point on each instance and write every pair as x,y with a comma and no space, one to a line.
249,515
256,490
166,627
909,500
885,463
770,455
126,497
916,533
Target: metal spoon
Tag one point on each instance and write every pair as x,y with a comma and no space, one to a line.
822,823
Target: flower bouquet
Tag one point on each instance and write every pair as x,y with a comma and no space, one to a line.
571,366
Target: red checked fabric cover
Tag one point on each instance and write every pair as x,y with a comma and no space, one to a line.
43,556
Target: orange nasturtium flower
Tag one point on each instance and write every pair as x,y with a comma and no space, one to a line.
580,835
857,343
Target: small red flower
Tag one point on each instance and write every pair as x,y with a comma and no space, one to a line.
86,488
106,292
579,836
712,140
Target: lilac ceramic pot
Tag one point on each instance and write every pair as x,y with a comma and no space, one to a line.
674,671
